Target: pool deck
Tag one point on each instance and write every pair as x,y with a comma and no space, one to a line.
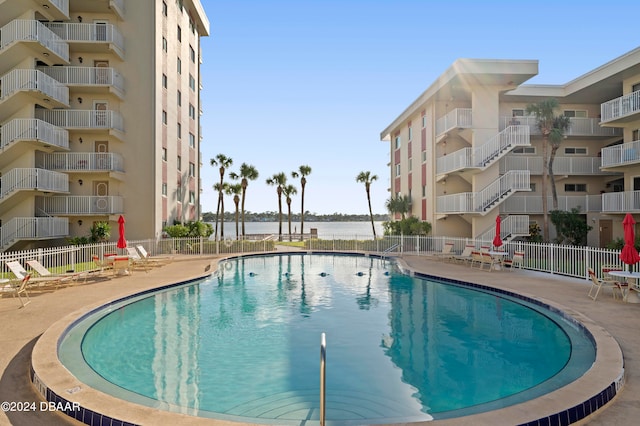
21,328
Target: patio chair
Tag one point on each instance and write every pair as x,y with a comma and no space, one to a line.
136,260
618,287
19,272
465,256
101,265
597,284
476,258
488,260
18,288
44,273
122,265
515,262
446,252
152,260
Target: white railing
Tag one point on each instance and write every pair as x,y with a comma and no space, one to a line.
572,261
620,107
561,165
33,179
31,129
32,30
621,202
512,225
456,118
80,205
579,126
617,155
28,80
485,154
82,161
86,76
486,199
30,228
533,204
82,119
98,33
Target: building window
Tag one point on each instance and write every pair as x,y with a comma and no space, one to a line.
192,111
575,113
522,150
179,98
410,133
192,140
192,197
164,189
410,165
164,154
179,162
164,117
192,170
192,54
575,151
424,121
517,112
164,8
397,169
635,135
397,140
179,131
424,156
179,66
164,44
179,192
532,186
164,81
179,34
192,83
575,187
424,190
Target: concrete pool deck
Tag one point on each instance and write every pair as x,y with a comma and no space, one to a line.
21,328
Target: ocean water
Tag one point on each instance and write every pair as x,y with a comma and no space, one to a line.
325,229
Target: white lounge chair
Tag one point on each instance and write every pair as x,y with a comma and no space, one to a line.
44,273
465,256
19,272
446,252
17,287
136,260
153,260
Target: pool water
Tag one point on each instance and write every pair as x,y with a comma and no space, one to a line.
244,345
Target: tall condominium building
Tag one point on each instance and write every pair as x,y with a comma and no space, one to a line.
100,117
466,151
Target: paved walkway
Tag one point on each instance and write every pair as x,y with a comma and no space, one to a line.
21,327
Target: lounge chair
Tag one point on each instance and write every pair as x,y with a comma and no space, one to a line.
465,256
136,260
57,279
515,262
17,287
153,260
446,252
597,284
19,272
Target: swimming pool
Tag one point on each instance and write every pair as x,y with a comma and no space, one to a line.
400,348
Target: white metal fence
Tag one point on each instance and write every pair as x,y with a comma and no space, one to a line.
549,258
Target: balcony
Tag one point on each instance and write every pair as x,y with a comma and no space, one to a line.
561,165
30,38
486,154
32,179
621,155
82,119
82,162
42,134
488,198
73,205
459,118
32,228
583,127
104,6
532,204
621,110
37,85
621,202
88,79
89,37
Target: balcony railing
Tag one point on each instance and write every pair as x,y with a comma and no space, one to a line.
485,154
80,205
621,202
86,76
532,204
32,30
32,80
486,199
561,165
83,161
82,119
621,107
512,225
33,179
88,33
30,228
31,129
621,155
579,126
457,118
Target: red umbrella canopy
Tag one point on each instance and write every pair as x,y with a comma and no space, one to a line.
629,254
497,241
122,242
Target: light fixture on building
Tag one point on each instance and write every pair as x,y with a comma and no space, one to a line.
79,222
46,6
80,182
79,100
80,59
45,54
79,18
80,140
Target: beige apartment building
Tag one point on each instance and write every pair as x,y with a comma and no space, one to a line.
100,117
466,152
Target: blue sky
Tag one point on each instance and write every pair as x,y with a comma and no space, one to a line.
293,82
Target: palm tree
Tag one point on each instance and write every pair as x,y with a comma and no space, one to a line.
399,204
303,171
235,190
288,191
367,178
221,188
279,180
247,173
224,163
544,114
560,125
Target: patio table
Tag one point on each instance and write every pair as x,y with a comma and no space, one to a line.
628,275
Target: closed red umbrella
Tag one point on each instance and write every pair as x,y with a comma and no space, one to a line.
497,241
122,242
629,254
